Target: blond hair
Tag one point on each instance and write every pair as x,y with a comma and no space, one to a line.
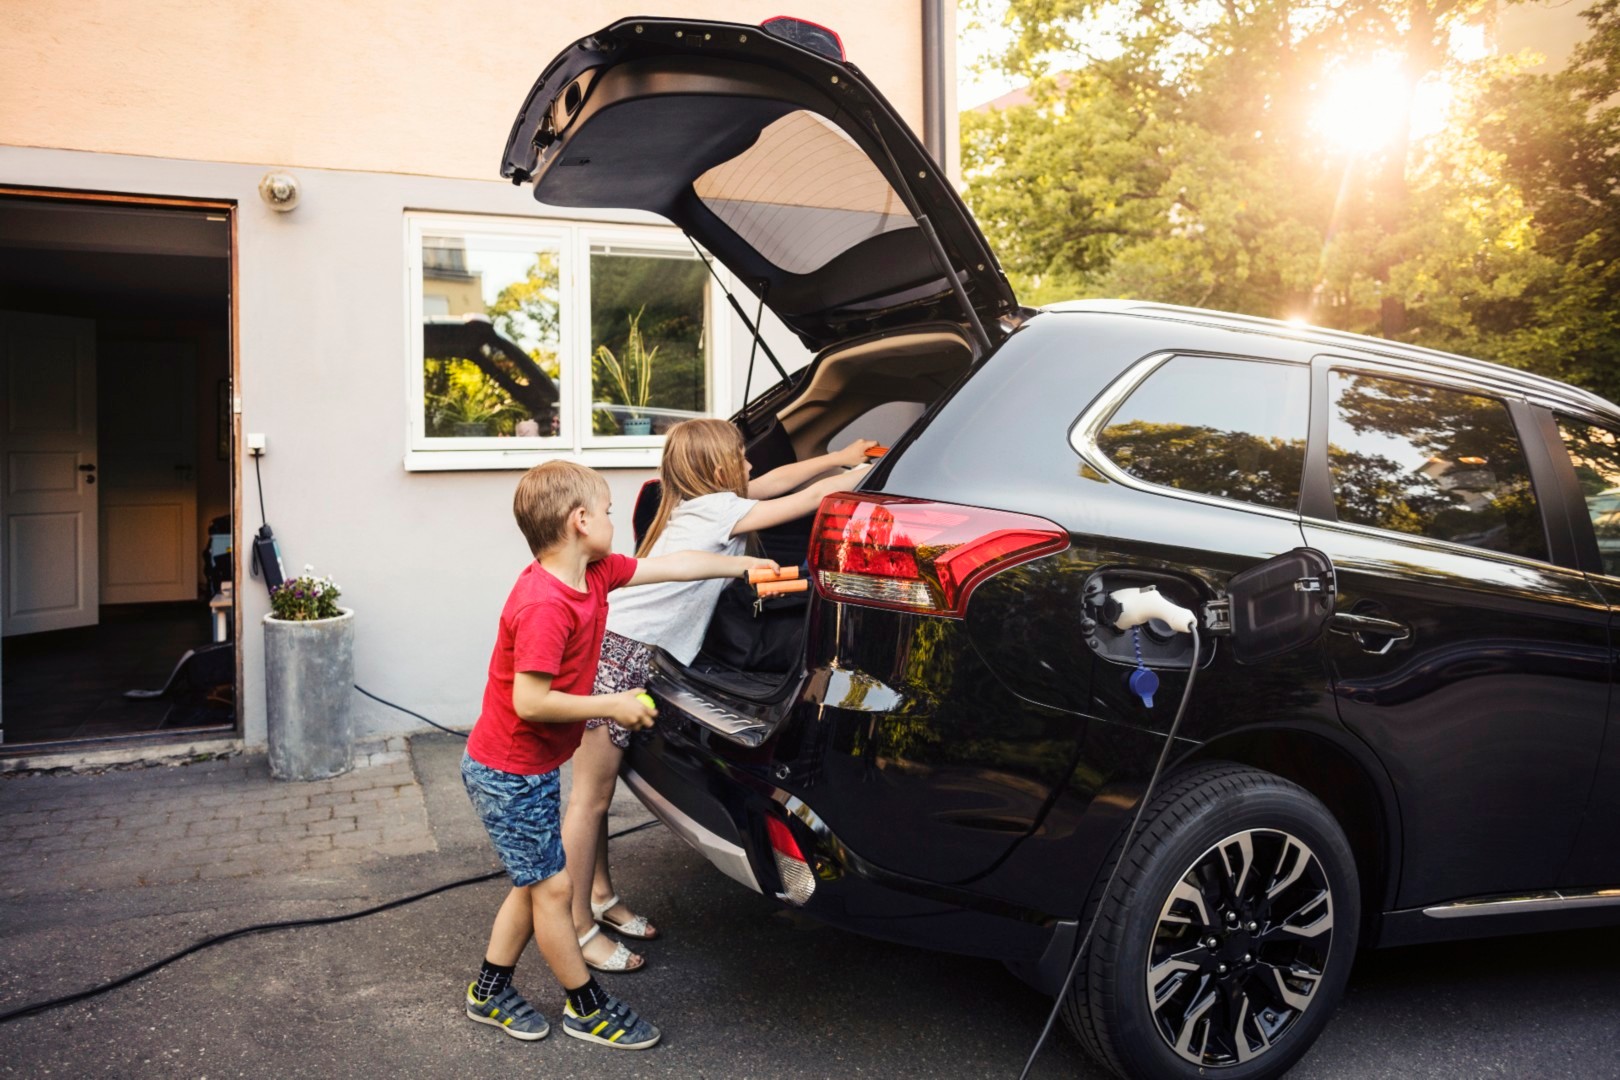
547,495
701,457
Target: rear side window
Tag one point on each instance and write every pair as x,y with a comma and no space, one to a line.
1594,450
1217,426
1432,462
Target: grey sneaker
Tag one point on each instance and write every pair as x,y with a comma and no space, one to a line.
614,1024
508,1011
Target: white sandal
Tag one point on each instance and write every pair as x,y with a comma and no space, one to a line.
618,962
634,927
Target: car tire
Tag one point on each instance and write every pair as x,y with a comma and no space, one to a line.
1226,938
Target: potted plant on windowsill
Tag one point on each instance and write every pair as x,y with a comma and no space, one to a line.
471,414
631,375
308,673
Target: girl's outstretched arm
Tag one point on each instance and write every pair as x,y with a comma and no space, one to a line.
782,480
799,504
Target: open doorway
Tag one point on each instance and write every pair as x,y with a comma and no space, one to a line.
116,478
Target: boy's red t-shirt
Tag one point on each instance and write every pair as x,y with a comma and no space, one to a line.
547,628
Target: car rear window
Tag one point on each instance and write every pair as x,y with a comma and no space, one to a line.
1431,461
803,194
1594,450
1217,426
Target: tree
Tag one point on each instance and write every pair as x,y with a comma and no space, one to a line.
1174,151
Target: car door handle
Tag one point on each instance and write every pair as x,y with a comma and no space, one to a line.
1366,628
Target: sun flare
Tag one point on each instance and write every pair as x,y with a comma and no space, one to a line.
1360,109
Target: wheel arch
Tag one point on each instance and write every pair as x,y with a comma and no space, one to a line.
1356,792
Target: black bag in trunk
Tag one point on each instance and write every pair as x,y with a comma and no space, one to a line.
769,640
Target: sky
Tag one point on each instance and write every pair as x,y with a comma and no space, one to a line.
977,41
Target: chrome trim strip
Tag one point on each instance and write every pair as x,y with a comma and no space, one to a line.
1551,900
727,857
1083,435
1444,546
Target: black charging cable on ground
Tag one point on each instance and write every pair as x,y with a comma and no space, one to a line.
1130,834
409,712
289,924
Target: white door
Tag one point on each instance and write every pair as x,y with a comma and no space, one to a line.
149,545
48,566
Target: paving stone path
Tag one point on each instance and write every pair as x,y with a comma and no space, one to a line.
218,819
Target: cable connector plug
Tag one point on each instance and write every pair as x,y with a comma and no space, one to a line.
1137,606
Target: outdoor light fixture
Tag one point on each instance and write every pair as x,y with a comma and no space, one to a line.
279,190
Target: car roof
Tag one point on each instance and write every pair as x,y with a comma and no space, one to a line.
1445,362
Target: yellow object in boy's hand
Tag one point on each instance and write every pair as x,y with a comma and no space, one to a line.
646,699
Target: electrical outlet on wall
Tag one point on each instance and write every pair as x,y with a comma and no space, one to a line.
255,444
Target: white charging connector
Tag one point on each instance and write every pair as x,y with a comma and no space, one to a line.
1137,606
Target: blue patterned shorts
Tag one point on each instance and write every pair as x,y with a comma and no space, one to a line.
522,815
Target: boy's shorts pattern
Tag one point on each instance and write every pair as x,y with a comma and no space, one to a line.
624,666
522,815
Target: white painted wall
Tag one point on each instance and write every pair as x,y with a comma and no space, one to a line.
425,558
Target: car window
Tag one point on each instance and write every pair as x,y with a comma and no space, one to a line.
1594,450
1431,461
802,194
1218,426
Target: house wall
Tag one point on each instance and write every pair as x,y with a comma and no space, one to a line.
378,108
401,86
425,558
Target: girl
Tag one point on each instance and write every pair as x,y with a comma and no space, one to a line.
709,504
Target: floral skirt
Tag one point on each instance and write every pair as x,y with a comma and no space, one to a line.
623,666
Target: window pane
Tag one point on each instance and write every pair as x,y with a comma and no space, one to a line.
1433,462
490,336
1595,452
802,194
649,341
1233,428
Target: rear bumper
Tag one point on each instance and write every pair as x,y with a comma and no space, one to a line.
716,797
726,853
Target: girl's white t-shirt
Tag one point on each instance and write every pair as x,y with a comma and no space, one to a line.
674,615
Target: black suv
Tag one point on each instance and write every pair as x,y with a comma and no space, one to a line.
1400,729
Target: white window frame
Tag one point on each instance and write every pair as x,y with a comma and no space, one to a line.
577,442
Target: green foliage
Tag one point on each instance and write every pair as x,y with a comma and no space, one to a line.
1169,152
305,597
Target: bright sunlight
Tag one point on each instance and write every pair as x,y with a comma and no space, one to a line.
1360,108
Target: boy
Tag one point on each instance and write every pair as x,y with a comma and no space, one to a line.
536,702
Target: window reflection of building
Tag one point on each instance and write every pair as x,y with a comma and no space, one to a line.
448,287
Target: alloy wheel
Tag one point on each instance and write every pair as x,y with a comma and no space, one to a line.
1240,946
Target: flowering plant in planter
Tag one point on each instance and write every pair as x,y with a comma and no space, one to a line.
305,597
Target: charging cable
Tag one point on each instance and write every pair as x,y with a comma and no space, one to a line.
410,712
1137,607
262,928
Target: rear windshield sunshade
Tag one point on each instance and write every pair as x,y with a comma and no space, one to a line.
803,194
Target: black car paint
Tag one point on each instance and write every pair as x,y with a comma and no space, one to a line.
966,796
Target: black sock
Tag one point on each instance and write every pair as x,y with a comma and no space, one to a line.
492,979
587,999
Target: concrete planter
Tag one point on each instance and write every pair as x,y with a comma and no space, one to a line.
309,679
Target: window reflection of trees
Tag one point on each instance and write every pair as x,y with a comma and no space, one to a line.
1191,457
1595,453
1472,485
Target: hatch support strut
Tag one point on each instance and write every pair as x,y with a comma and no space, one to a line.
741,314
938,249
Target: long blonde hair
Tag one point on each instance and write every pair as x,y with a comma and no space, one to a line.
701,457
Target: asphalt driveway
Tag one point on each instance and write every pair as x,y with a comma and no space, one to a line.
741,988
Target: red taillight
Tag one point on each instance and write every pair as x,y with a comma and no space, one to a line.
798,883
912,555
782,839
